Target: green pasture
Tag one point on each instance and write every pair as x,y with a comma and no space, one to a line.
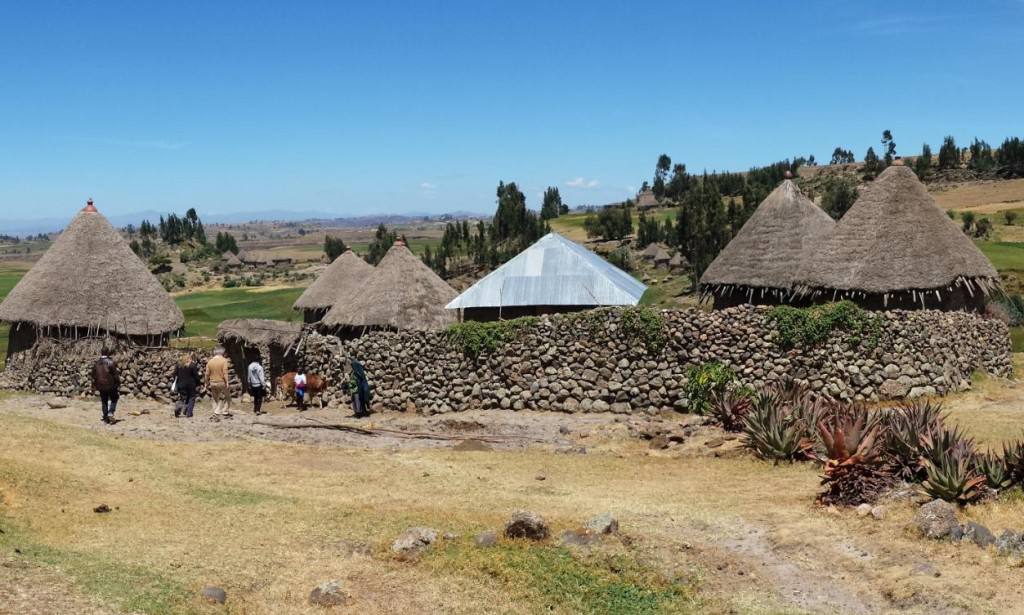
1005,255
205,310
9,276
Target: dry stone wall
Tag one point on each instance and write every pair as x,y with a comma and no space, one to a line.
587,362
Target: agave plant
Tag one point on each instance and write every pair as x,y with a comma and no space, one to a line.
907,429
953,476
852,455
1013,458
730,408
994,469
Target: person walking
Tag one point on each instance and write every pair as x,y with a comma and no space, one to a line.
359,387
186,385
107,380
300,388
217,383
257,385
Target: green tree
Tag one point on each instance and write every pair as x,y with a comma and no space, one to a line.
838,197
949,154
510,218
872,165
661,174
982,228
889,145
1011,157
383,239
334,247
968,219
552,204
1011,217
923,163
981,156
842,156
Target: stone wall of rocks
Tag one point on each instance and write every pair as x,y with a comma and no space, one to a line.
586,362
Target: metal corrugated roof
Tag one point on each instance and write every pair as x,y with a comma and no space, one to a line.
553,271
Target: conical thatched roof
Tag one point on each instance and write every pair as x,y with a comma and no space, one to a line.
403,293
895,238
650,251
661,256
678,261
258,332
91,278
227,256
347,274
769,250
232,261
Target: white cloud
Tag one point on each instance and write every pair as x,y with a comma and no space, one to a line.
580,182
428,186
631,189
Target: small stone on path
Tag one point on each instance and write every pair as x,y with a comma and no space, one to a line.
214,594
937,520
328,594
414,539
102,508
602,524
486,539
525,524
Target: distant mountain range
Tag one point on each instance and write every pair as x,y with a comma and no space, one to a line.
9,226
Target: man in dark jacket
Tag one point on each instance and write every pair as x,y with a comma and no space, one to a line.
107,381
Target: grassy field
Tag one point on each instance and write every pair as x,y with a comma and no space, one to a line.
571,225
205,310
10,273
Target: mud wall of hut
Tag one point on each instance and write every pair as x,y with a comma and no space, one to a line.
586,362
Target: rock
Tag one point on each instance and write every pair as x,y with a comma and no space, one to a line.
540,477
577,538
1010,543
893,389
978,534
937,520
102,508
328,594
659,442
864,510
56,403
414,539
878,512
214,594
602,524
471,445
525,524
564,430
486,539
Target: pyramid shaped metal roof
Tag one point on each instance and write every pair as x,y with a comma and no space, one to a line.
553,271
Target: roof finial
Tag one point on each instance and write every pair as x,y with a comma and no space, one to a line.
89,207
788,175
898,161
399,242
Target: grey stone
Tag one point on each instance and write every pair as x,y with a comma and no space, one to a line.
864,510
978,534
414,539
937,520
602,524
525,524
328,594
578,538
486,539
214,594
1010,543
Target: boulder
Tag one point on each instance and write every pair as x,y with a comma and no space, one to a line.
1010,543
214,594
602,524
414,539
486,539
978,534
525,524
328,594
937,520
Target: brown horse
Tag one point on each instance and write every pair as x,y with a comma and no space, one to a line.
315,386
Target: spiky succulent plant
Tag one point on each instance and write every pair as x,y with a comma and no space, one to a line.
729,408
994,469
953,476
853,471
907,428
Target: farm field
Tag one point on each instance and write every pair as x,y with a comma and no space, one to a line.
10,273
205,310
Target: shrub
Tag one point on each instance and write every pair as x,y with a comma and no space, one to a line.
644,326
811,326
475,338
705,381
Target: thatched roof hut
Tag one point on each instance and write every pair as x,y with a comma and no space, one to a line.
678,261
661,258
895,248
232,262
227,256
402,294
271,342
761,262
90,281
646,200
344,276
650,251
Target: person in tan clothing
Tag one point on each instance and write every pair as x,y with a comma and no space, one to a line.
217,382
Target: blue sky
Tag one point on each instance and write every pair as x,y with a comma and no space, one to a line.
354,108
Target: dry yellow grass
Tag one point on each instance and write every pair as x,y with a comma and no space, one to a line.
982,197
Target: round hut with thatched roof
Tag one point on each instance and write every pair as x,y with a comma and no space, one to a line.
89,283
402,294
271,342
761,263
896,249
345,276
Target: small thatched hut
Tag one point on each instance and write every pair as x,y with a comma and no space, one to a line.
646,200
895,249
662,258
678,262
271,342
403,294
761,262
227,256
89,283
232,262
650,251
345,276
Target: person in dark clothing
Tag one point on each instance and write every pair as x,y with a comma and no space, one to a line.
359,387
186,382
107,380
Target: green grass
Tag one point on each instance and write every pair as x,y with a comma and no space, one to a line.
9,277
1005,256
205,310
1017,339
567,583
133,588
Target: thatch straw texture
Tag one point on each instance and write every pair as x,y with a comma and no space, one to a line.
769,249
345,276
233,261
259,332
650,251
91,279
403,294
896,239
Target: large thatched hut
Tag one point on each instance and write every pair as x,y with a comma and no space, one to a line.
403,294
552,276
345,276
895,249
89,283
761,262
271,342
